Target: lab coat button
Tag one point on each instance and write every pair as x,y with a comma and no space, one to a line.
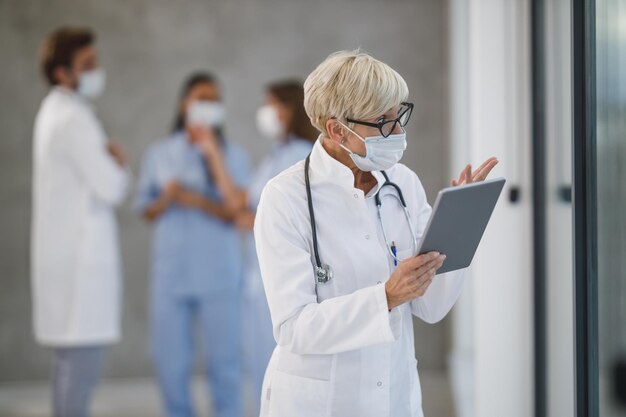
380,384
356,196
367,237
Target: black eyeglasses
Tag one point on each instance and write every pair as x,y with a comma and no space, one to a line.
386,127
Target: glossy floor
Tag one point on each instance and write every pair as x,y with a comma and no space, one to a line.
139,398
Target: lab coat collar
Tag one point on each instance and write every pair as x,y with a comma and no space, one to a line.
72,95
326,169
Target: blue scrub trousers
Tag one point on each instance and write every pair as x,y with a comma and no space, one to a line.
173,323
259,341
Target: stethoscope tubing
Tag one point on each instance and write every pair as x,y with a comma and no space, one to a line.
407,216
324,272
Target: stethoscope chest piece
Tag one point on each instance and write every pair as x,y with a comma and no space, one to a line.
323,274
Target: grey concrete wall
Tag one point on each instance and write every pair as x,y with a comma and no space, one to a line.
147,48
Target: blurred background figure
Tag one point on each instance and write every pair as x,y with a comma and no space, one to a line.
282,120
196,255
78,179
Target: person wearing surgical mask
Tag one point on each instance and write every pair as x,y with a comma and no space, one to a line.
196,255
283,122
336,240
79,178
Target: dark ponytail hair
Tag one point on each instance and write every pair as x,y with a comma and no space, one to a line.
193,80
291,94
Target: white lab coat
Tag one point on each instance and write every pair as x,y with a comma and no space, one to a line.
340,352
75,260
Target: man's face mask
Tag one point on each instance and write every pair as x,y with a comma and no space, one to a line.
91,84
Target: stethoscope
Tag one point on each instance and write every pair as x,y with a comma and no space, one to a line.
323,272
407,216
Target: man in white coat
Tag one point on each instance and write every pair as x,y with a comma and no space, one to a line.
79,177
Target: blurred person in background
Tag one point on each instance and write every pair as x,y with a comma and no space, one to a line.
283,121
79,178
196,255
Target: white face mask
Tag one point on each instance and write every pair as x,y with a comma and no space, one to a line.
91,83
269,124
206,113
380,152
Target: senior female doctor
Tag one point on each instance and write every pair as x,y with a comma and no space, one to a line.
342,317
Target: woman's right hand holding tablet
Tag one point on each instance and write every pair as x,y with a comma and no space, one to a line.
412,278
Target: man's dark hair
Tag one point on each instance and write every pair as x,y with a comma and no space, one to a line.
60,47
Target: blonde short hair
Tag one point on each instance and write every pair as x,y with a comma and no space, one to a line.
351,84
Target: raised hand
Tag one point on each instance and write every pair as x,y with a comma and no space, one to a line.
205,139
118,154
467,176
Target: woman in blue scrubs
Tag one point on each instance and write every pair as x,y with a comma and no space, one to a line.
282,120
196,256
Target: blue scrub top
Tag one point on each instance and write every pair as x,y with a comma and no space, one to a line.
280,158
193,253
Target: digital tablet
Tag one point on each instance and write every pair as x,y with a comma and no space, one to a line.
458,221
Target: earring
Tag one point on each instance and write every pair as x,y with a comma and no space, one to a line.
343,141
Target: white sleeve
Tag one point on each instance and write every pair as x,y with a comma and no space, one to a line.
83,142
301,324
439,297
445,288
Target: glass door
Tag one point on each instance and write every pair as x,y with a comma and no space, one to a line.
599,138
610,170
579,143
553,236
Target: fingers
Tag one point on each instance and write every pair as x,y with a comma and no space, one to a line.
199,133
193,131
420,266
172,189
117,152
481,173
467,176
424,280
483,165
464,177
485,172
416,262
414,275
423,284
433,264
